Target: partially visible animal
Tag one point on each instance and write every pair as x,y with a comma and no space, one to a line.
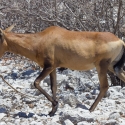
57,47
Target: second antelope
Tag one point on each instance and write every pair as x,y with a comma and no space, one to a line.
57,47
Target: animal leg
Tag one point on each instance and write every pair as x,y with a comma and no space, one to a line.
53,83
54,89
42,75
102,74
120,74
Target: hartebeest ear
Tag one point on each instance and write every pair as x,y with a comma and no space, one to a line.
9,28
1,36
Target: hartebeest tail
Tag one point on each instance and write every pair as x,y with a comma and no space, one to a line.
57,47
119,65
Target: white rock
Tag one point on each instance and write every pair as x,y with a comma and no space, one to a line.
72,85
115,94
45,84
84,123
18,86
76,116
82,97
46,80
88,95
17,122
1,87
3,68
9,123
33,123
107,94
53,123
95,92
111,122
114,115
117,88
61,77
102,122
109,102
55,118
2,115
68,122
70,99
123,90
32,86
25,123
2,123
89,84
95,78
87,102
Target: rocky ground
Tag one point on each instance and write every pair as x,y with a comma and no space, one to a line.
76,93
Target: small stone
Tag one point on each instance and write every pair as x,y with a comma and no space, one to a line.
33,123
87,102
54,123
70,99
17,122
89,84
88,95
32,86
9,123
117,102
2,115
82,123
95,92
45,84
68,122
107,94
115,94
117,88
111,122
123,90
114,115
31,105
47,80
76,116
2,123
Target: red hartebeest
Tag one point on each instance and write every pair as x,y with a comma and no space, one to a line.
57,47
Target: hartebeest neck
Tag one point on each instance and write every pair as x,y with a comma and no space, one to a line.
21,44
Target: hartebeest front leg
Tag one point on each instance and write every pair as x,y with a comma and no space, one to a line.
102,74
44,73
53,83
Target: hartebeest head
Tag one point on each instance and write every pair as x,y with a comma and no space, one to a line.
3,43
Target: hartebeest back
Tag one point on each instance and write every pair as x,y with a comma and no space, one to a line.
57,47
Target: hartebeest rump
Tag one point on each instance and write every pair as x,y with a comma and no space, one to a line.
57,47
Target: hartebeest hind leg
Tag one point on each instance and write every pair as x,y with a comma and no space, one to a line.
102,74
120,74
44,73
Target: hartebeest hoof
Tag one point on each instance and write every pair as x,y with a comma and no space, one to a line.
91,110
54,109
